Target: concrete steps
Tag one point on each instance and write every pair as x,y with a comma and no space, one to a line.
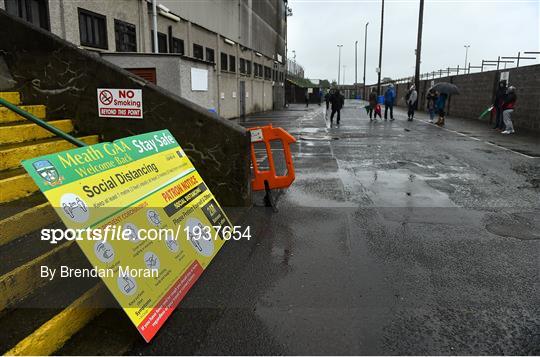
11,155
7,116
42,314
12,97
21,132
15,184
45,329
23,216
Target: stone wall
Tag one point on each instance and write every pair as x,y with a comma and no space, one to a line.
48,70
477,93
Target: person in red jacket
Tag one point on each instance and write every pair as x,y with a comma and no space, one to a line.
508,105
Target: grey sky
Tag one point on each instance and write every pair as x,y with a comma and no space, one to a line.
492,28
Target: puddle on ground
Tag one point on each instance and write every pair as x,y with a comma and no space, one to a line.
318,138
316,190
524,225
311,130
401,188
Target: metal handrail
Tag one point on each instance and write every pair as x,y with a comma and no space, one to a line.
42,123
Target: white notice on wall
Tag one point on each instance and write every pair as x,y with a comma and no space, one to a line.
234,94
505,76
247,94
199,79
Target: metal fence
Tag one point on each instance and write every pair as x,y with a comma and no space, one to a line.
500,63
294,69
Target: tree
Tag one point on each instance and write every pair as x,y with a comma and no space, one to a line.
324,83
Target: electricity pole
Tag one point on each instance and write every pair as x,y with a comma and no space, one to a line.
419,46
380,51
365,50
339,64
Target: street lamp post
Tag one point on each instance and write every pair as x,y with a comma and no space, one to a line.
380,51
466,53
365,51
344,80
419,46
355,68
339,63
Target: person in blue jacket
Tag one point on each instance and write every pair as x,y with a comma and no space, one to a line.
389,97
441,102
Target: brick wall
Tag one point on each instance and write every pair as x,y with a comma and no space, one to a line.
477,90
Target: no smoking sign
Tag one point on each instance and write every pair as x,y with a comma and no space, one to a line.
105,97
120,103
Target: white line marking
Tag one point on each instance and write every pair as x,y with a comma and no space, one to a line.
482,141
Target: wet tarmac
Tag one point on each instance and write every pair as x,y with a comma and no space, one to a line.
390,241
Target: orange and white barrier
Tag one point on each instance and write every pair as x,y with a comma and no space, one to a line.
268,179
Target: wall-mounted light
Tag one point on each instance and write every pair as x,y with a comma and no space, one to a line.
232,43
258,54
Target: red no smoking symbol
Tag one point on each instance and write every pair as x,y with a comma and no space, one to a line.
105,97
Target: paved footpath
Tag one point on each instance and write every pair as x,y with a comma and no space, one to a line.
396,238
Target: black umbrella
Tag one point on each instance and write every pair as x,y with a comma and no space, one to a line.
445,87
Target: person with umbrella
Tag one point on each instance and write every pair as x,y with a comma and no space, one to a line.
441,102
445,89
411,98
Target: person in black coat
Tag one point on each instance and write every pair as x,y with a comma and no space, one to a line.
327,99
337,100
498,104
372,104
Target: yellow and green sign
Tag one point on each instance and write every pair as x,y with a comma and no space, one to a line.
142,207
